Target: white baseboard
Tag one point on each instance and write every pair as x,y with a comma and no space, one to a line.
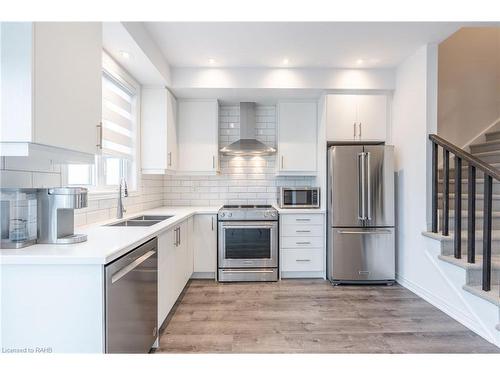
448,309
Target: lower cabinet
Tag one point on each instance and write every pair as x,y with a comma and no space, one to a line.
175,265
302,245
205,246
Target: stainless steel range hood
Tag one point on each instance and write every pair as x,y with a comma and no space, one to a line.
247,145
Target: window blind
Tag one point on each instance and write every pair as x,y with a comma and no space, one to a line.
117,118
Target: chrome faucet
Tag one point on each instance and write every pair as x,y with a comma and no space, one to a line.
120,209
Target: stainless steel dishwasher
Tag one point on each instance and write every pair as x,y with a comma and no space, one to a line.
132,300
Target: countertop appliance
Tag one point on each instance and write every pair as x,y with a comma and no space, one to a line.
247,243
361,240
132,300
18,217
299,197
56,214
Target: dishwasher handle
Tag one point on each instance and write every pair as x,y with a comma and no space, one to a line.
129,267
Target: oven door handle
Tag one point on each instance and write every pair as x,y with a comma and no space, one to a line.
247,271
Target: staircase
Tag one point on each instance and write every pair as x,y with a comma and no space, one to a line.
486,149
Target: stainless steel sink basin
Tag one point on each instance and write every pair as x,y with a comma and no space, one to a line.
134,223
140,221
152,217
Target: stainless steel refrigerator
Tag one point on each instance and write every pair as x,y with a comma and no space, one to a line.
361,238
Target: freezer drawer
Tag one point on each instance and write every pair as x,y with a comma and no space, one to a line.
361,254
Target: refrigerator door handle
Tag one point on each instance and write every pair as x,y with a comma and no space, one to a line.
361,186
378,231
368,187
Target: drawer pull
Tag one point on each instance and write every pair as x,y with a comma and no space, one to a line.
302,219
303,243
302,231
302,260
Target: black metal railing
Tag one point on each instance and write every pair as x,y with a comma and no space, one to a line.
474,164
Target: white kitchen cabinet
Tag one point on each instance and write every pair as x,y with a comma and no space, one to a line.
297,138
175,266
158,131
205,248
357,117
302,245
198,136
51,86
166,275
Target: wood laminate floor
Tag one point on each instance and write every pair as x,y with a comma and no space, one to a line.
311,316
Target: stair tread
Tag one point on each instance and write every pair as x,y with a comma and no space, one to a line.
495,235
462,262
492,296
487,143
466,214
465,195
486,153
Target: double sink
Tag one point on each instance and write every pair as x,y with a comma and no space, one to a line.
141,221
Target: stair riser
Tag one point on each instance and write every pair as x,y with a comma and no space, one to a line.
495,223
492,136
479,174
495,204
484,148
447,248
465,187
475,277
489,158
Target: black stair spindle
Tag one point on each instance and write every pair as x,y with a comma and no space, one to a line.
488,181
471,215
434,225
457,239
446,191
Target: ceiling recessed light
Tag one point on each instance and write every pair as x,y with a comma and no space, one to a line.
211,61
360,61
285,61
125,55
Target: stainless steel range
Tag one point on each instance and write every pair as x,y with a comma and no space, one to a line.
248,243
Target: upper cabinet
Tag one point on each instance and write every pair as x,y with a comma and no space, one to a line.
357,117
198,136
297,138
159,131
51,86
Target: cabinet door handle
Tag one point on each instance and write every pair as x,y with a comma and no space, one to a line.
179,236
175,237
359,130
354,130
212,223
213,162
169,159
282,161
99,136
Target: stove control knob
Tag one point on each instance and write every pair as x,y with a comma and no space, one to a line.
229,214
223,214
273,214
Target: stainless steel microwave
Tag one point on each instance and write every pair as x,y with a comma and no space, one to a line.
299,197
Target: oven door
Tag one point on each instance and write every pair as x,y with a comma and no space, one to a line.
248,244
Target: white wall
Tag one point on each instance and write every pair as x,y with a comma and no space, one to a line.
417,265
469,83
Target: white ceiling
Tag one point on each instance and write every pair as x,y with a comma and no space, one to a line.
305,44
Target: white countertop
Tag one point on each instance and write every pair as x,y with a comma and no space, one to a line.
104,243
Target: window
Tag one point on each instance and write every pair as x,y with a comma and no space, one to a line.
118,160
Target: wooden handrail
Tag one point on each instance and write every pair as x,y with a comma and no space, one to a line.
490,173
464,155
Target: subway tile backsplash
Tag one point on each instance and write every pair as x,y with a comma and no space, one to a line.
243,180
